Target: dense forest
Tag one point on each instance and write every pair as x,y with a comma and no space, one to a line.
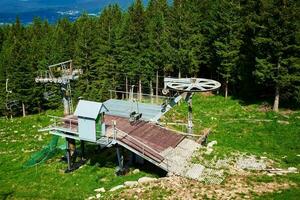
250,46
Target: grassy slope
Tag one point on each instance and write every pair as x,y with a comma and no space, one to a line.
232,126
246,129
48,181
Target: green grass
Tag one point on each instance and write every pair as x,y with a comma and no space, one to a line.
289,194
236,128
48,180
245,128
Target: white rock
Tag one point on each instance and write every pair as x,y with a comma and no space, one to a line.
130,183
250,163
208,151
116,188
90,198
135,171
195,171
100,190
98,196
146,180
211,144
292,169
40,138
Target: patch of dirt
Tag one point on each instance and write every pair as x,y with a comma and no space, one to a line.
286,112
235,187
265,107
207,94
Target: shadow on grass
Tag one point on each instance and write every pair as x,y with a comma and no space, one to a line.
107,157
6,195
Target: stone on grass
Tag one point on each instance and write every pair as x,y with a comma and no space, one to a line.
195,171
211,144
100,190
292,169
130,183
250,163
116,188
146,180
90,198
283,122
98,196
135,171
208,151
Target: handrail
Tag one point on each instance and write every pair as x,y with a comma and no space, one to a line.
69,119
143,94
144,145
61,120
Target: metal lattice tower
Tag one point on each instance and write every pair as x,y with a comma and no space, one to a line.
61,73
186,87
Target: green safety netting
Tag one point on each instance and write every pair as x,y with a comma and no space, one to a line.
47,152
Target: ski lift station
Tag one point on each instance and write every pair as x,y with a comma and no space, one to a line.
136,127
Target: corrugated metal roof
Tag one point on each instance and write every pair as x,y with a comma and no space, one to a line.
123,108
89,109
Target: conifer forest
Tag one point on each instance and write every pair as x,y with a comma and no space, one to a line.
251,46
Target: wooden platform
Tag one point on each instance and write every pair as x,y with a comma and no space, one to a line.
150,134
149,140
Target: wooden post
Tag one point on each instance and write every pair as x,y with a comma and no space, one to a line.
156,92
151,91
140,89
23,109
126,85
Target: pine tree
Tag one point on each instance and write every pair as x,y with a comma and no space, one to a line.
85,48
135,58
157,30
227,40
277,62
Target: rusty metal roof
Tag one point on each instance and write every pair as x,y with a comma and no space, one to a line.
150,134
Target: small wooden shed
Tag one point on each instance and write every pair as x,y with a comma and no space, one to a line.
91,124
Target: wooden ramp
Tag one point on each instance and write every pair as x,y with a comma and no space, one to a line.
165,148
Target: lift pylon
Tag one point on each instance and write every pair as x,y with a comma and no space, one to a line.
61,73
186,87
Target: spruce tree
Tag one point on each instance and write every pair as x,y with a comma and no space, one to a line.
277,61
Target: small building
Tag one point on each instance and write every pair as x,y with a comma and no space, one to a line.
91,124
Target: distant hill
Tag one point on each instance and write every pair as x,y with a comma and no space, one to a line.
54,9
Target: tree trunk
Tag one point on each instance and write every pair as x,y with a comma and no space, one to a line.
23,109
226,89
276,99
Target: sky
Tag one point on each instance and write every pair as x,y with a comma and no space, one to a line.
52,10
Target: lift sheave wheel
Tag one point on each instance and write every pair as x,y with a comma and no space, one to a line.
191,84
